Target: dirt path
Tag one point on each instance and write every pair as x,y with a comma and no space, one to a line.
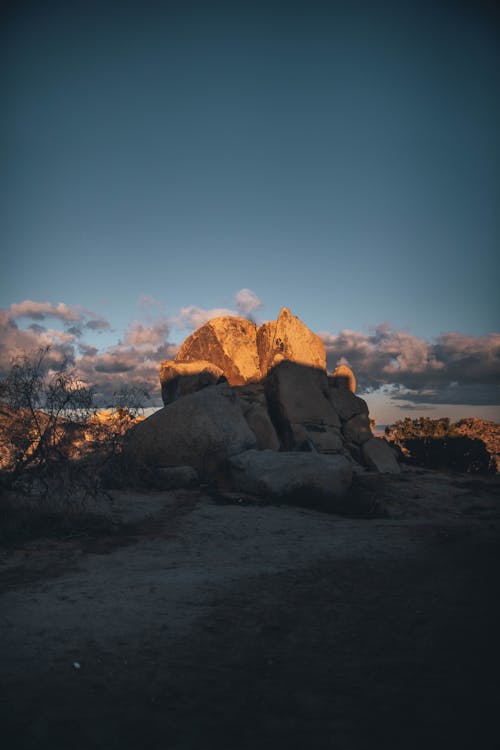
242,626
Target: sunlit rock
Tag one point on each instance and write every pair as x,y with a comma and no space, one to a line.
288,338
230,343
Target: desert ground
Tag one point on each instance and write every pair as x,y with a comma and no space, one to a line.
194,621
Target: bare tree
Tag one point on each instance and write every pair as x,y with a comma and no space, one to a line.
53,439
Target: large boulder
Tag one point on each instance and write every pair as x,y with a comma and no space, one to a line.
201,430
230,343
288,338
302,478
300,409
379,456
182,378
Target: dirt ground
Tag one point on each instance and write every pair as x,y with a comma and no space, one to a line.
208,623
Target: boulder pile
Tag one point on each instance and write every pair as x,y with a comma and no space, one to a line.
254,409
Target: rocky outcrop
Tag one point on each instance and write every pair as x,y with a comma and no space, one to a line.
230,343
201,430
301,410
279,403
182,378
345,403
244,353
288,338
302,478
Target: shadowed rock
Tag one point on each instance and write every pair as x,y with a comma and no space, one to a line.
201,430
255,409
357,429
345,403
301,410
380,457
343,377
301,478
181,378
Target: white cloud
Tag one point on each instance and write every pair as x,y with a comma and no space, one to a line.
193,317
247,302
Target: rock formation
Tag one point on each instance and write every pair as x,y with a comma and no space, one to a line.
288,338
230,343
280,426
242,352
181,378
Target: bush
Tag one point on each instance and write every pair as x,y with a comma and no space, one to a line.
54,442
437,444
461,454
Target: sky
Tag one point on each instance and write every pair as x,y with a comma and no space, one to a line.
163,163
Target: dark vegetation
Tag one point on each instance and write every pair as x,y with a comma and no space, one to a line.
58,451
439,444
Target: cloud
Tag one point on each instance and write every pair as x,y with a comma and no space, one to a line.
193,317
146,301
139,334
42,310
68,314
246,302
98,324
134,361
454,368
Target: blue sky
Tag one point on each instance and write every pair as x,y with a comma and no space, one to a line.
341,159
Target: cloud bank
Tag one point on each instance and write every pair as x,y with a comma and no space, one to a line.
453,369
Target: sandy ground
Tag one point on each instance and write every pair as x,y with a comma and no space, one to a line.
205,624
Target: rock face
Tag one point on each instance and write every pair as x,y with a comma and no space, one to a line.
181,378
201,430
255,410
301,410
245,353
345,403
289,339
379,456
283,425
230,343
302,478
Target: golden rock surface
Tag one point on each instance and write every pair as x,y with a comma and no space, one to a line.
228,342
245,353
